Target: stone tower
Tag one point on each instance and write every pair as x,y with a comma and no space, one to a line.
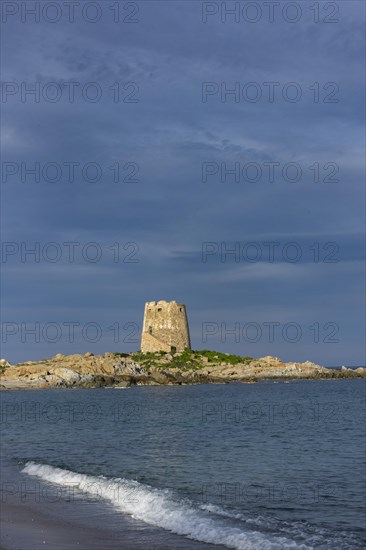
165,327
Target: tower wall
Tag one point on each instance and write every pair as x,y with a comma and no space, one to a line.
165,326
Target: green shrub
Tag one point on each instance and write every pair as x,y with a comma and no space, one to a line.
218,357
188,359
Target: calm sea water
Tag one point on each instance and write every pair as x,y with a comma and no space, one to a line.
247,466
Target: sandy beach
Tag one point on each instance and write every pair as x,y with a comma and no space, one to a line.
59,524
27,528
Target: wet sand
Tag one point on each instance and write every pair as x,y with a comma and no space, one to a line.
23,528
29,527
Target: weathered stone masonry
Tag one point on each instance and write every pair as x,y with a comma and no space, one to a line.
165,327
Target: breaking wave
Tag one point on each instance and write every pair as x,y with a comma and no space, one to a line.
161,507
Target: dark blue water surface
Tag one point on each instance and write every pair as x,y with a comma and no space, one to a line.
249,466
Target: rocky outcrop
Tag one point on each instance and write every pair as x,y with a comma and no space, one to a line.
73,370
124,370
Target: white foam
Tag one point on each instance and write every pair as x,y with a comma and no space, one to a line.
159,507
309,534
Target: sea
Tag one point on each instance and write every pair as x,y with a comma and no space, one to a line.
271,465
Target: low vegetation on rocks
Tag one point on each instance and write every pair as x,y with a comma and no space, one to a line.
187,359
160,368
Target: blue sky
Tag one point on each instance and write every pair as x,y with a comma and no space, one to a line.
162,134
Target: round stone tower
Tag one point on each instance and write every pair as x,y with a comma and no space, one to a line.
165,327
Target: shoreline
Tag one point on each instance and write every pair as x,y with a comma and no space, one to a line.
6,386
29,528
62,524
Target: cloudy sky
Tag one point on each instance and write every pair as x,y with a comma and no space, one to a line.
162,136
